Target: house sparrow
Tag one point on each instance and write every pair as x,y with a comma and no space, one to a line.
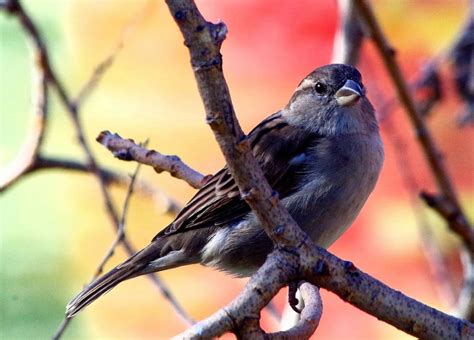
322,153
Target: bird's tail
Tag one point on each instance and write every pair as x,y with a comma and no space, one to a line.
130,268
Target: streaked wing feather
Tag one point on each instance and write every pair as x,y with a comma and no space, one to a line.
274,143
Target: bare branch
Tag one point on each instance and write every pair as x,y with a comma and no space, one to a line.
96,76
449,212
47,76
432,153
170,205
29,150
309,317
387,304
294,249
436,261
204,40
465,304
261,288
290,317
462,56
341,277
126,149
121,231
349,35
102,67
451,209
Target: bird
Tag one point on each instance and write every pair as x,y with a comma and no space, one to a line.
322,153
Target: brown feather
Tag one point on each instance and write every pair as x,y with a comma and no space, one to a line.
274,143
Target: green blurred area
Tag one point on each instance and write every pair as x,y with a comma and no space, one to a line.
33,245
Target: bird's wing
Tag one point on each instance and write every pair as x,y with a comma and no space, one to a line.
278,148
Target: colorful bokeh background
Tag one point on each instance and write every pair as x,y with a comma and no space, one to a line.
53,228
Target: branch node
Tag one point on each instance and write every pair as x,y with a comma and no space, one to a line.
274,198
349,267
206,179
213,118
150,153
123,155
242,144
321,268
279,230
12,6
180,15
216,61
218,32
391,50
249,194
104,137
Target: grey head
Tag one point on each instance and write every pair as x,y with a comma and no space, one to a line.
332,100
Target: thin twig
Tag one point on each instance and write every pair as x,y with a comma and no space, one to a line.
121,231
349,35
30,148
126,149
170,205
451,210
48,74
167,204
104,65
430,149
436,261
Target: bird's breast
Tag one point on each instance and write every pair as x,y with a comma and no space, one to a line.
339,180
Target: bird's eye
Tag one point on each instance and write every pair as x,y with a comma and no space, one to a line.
320,88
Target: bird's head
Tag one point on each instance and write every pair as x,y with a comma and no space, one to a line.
332,100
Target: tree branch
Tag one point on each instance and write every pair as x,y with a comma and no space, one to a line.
310,315
446,203
430,149
27,155
171,206
121,232
126,149
295,254
349,35
29,158
204,40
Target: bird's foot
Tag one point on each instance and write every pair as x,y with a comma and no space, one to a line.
292,300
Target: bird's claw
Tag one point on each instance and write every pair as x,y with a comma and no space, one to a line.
292,300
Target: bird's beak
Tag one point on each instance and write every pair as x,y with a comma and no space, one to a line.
349,93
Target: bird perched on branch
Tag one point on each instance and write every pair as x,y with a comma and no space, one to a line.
322,153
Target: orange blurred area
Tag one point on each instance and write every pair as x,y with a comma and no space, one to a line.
53,225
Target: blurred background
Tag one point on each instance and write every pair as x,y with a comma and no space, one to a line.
53,227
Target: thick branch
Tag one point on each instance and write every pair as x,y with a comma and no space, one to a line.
126,149
204,40
325,270
258,292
